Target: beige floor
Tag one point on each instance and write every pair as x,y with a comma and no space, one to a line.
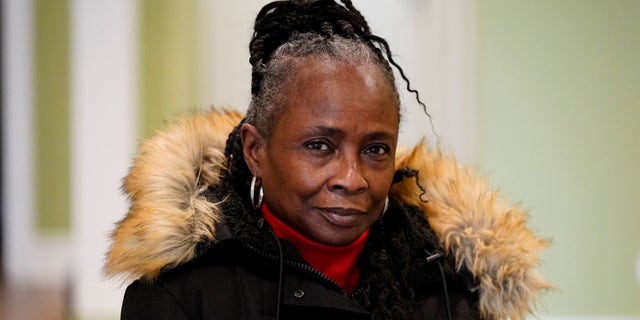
32,303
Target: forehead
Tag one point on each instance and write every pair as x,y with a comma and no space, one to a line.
325,92
316,66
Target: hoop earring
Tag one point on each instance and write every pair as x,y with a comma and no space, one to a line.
252,193
386,207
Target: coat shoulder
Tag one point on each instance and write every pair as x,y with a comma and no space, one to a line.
478,229
169,213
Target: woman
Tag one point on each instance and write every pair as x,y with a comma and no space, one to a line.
306,211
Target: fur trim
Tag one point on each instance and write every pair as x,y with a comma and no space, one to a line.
477,229
169,215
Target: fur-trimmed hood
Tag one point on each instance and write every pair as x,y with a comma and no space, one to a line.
169,214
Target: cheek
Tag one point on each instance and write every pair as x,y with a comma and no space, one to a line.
380,180
293,176
306,179
383,184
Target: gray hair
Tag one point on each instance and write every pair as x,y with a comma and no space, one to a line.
266,105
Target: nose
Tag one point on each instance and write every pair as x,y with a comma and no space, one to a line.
348,176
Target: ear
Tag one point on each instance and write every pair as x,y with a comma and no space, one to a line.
253,145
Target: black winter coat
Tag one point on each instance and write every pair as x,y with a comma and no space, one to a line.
238,278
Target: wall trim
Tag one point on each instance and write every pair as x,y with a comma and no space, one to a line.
18,137
104,88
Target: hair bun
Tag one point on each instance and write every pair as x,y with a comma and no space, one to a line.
280,21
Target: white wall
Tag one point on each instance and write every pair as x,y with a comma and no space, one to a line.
103,103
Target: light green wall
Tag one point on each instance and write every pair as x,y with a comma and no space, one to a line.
52,121
168,64
559,130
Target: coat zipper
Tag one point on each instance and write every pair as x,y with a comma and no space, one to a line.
302,266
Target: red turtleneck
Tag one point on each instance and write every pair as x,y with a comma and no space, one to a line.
338,263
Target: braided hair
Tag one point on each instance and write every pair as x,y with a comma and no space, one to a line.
284,32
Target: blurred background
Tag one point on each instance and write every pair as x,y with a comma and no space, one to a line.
542,97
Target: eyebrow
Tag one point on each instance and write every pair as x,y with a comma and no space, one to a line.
334,132
324,130
380,135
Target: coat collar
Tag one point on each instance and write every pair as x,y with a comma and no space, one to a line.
170,214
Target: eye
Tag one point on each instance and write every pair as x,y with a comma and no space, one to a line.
377,150
318,145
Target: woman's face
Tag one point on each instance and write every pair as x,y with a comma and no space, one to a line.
329,163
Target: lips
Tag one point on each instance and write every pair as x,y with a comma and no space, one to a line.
342,217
